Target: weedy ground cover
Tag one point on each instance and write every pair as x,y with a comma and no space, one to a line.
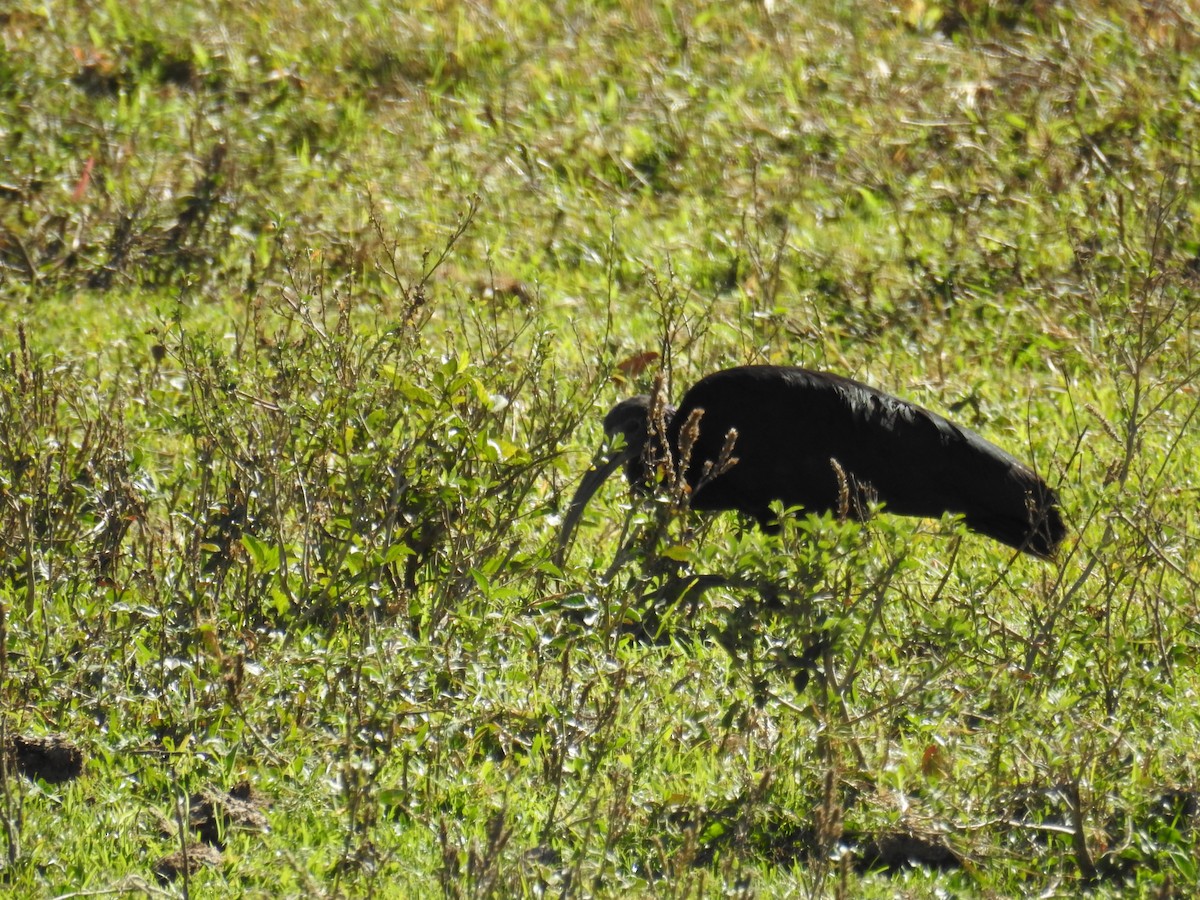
308,316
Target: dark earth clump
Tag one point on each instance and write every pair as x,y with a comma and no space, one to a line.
896,851
213,813
172,866
53,759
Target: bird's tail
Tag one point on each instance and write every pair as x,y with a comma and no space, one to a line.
1025,516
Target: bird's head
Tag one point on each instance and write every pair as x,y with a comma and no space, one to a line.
627,429
629,419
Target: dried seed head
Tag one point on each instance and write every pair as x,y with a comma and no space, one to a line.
688,435
724,462
655,452
843,504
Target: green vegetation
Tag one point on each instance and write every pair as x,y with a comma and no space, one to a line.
308,317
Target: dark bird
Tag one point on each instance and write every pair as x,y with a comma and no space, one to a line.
824,443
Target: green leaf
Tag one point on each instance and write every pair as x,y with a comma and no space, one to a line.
264,557
392,797
679,553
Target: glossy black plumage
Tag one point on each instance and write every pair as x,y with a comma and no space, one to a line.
796,428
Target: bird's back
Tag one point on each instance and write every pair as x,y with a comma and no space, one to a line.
792,423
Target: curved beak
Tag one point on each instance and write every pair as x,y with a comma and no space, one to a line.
604,464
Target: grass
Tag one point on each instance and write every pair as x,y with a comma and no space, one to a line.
308,318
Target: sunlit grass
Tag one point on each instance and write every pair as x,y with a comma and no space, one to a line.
308,317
